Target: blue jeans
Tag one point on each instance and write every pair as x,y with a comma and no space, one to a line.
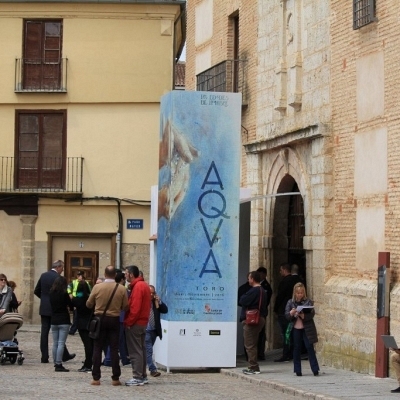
299,336
150,339
60,334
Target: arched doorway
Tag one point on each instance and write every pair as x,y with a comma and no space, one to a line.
288,233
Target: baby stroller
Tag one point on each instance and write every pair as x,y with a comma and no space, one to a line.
9,323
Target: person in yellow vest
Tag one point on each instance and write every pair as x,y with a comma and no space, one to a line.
72,291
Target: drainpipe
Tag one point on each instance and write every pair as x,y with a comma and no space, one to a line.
118,261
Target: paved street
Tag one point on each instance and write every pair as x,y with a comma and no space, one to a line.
35,380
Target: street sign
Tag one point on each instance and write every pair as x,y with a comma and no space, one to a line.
134,224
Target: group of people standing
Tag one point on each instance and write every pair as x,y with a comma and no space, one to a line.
129,321
294,312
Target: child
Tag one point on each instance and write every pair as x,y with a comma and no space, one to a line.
300,311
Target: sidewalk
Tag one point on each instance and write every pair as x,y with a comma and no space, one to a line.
331,384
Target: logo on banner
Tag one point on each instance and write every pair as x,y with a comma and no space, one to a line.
214,332
182,332
197,332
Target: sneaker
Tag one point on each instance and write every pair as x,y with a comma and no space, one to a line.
145,380
134,382
251,371
84,369
155,373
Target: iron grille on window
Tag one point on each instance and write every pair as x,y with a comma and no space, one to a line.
363,13
227,76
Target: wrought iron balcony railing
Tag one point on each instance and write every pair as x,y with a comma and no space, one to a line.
40,75
45,175
227,76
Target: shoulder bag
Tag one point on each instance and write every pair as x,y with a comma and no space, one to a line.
253,316
95,321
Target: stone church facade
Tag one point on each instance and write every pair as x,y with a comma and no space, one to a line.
320,120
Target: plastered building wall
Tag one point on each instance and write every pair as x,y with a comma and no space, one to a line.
120,63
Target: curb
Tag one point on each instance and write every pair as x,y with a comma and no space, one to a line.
276,385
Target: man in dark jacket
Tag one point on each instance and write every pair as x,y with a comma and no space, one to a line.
42,290
255,298
262,337
154,328
285,293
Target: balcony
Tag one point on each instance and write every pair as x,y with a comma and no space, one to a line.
48,176
227,76
40,75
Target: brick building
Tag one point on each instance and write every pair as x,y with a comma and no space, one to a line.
320,119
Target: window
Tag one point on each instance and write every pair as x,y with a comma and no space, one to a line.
40,149
42,63
363,13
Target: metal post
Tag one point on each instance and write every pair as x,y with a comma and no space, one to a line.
382,323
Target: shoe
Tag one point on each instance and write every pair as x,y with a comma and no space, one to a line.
282,359
60,368
145,380
126,363
134,382
316,373
70,357
71,333
299,374
116,383
396,390
84,369
44,361
106,364
95,383
155,373
251,371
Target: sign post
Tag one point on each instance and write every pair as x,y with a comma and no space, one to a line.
382,323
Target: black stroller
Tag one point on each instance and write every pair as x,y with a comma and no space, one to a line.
9,350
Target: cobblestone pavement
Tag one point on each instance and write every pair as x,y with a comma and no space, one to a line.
35,380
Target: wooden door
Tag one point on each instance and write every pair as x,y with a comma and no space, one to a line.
86,261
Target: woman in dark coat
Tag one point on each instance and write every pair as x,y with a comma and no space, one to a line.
5,295
60,320
83,316
300,311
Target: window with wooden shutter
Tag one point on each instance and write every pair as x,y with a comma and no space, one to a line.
40,158
42,63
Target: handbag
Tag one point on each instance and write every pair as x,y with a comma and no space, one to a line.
288,333
95,320
253,316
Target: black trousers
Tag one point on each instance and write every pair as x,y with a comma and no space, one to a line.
88,346
44,339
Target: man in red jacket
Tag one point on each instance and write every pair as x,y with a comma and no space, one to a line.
135,322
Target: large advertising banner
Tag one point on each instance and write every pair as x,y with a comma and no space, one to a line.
198,207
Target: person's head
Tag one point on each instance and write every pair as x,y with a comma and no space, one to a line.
120,277
131,272
263,272
58,266
294,269
152,291
12,285
109,272
80,275
254,278
59,285
3,281
285,269
83,289
299,292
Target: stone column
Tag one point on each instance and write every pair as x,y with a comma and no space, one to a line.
28,263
